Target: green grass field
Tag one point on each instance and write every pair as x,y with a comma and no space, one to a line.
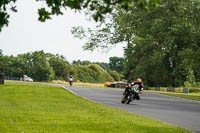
34,108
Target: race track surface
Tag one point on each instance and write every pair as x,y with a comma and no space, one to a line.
175,111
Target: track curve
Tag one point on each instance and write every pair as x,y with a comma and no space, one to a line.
175,111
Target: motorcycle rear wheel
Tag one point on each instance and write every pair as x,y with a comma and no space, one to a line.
128,101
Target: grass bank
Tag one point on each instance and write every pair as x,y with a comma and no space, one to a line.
193,95
36,108
80,84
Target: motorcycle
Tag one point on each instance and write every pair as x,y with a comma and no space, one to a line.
131,94
70,81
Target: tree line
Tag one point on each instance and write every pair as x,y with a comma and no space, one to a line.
163,41
162,36
43,66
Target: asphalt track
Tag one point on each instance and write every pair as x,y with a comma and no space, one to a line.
175,111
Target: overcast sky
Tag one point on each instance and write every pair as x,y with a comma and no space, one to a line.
26,34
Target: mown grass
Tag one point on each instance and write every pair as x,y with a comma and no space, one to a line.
35,108
193,95
80,84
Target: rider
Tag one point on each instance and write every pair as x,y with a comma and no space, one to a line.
129,86
70,80
140,85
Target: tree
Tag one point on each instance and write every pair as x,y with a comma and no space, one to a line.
115,75
117,64
41,69
4,5
36,66
163,36
60,65
157,40
96,8
5,64
106,35
11,66
103,65
1,52
78,62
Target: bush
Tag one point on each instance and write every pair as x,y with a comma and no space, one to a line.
93,73
115,75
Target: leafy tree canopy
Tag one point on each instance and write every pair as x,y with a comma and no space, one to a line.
161,42
117,64
96,8
1,52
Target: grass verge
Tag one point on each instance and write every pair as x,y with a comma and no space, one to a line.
80,84
192,96
35,108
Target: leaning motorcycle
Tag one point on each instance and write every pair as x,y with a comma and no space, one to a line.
131,94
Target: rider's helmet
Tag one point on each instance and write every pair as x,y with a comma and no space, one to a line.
138,80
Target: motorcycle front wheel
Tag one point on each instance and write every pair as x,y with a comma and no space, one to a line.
137,96
123,99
